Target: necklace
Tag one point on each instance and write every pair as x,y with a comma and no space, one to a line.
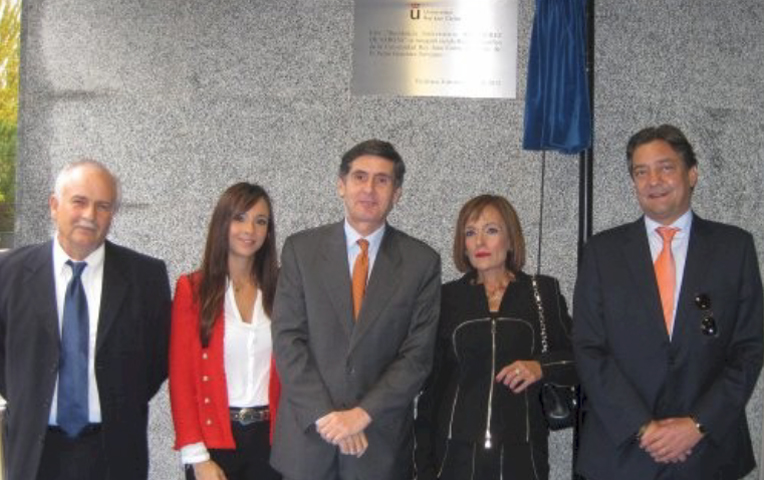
239,286
496,293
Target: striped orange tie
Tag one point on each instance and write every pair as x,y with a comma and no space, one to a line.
665,273
360,272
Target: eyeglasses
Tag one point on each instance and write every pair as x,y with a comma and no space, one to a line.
708,324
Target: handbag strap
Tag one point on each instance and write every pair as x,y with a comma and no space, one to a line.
542,321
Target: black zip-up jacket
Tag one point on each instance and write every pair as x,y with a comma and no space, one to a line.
473,346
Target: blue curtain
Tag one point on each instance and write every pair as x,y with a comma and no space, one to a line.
557,111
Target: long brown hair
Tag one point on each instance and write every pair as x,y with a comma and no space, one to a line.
210,293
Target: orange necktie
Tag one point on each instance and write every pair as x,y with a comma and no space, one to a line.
665,273
360,272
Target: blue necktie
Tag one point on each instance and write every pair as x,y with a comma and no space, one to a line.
73,365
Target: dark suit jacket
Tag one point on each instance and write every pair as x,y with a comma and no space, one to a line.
327,362
130,362
632,372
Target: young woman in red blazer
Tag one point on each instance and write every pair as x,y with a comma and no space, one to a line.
223,386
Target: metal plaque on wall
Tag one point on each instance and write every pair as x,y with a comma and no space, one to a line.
452,48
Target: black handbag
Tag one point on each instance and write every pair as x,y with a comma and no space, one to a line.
559,402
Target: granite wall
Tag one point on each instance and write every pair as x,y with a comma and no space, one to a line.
183,97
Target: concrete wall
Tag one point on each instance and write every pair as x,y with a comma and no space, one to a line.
184,97
698,65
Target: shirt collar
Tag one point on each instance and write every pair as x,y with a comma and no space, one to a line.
683,223
352,236
60,257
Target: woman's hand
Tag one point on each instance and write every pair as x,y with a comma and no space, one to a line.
208,470
520,375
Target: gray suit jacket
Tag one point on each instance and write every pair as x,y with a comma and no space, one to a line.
328,362
632,372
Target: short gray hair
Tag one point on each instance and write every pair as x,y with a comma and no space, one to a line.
63,176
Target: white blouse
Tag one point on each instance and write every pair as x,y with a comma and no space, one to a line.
247,351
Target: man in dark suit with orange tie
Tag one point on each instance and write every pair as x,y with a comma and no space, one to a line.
84,328
354,325
667,331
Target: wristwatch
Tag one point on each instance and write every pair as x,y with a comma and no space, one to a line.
642,430
701,428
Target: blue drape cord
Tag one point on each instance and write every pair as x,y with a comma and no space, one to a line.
541,212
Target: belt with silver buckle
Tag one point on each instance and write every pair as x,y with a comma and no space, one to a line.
250,415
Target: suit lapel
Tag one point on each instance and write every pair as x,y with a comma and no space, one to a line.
636,249
113,293
335,271
699,253
39,279
381,285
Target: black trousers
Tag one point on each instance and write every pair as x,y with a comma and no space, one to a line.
81,458
249,461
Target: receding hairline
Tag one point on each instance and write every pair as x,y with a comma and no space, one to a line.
65,174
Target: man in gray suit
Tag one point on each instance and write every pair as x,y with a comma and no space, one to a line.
354,327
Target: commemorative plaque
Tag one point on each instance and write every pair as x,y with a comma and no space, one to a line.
457,48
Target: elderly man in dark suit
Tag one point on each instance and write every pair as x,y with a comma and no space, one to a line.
84,327
667,331
354,326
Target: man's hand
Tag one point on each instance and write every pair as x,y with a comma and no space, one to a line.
354,445
337,426
670,440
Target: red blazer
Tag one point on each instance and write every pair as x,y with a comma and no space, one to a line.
198,392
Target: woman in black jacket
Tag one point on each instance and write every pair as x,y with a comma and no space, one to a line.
479,416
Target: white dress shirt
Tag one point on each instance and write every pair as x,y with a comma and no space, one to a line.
92,282
678,248
352,237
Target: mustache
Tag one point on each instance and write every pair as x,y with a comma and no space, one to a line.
87,224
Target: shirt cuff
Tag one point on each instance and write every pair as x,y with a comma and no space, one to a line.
194,453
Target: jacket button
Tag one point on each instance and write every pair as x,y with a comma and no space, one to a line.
205,378
206,399
208,422
204,356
